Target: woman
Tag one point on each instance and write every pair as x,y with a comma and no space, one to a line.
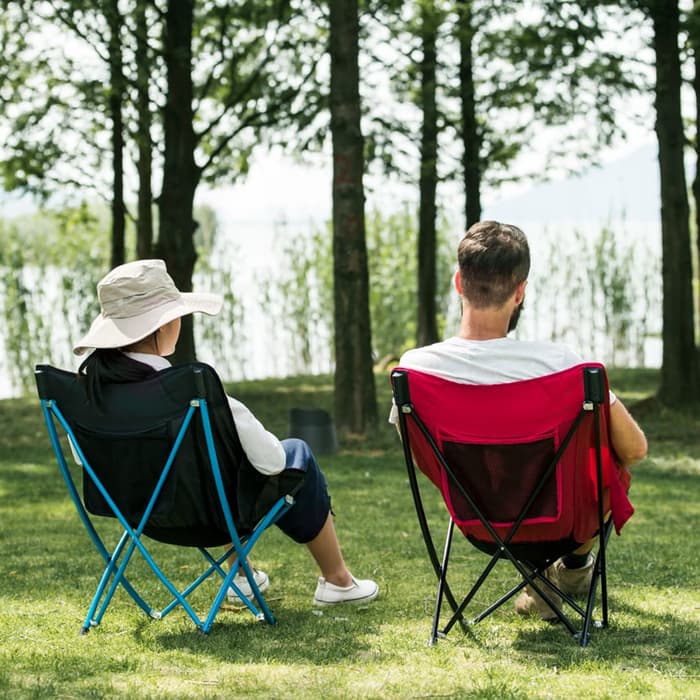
137,329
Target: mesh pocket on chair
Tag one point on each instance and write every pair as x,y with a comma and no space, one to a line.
500,478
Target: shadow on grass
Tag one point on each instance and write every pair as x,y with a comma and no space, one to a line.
663,639
298,637
636,636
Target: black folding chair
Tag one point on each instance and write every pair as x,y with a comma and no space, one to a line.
163,457
527,474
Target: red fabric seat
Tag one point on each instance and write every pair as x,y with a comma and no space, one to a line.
499,438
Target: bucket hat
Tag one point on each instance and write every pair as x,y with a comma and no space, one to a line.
135,300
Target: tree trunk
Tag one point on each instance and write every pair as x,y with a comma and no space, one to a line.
144,221
355,399
427,312
694,35
116,99
471,139
680,375
180,173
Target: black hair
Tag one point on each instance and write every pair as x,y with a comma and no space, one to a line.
110,366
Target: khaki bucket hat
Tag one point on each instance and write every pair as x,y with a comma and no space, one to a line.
136,299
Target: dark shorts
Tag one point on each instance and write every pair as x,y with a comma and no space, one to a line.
313,504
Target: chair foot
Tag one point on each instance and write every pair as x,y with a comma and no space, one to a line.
434,640
84,630
155,614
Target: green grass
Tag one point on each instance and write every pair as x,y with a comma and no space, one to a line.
47,570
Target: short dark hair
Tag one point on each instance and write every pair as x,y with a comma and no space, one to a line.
494,258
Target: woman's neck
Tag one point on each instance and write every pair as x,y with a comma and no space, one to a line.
147,346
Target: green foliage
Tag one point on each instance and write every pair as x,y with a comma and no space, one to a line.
551,67
255,78
50,263
219,339
54,97
392,242
612,278
599,294
301,289
47,262
299,295
254,66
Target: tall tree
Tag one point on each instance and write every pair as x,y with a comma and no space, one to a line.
253,68
427,331
355,399
471,135
234,71
694,40
144,140
60,108
180,173
680,370
115,102
503,77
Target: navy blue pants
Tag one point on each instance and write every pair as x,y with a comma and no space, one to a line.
313,504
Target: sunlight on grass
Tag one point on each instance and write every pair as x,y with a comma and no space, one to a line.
48,570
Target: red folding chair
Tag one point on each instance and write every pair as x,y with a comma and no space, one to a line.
527,474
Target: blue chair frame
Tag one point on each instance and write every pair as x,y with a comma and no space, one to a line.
118,559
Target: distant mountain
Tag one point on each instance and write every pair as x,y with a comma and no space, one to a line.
626,188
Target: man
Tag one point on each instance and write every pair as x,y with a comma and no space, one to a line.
494,262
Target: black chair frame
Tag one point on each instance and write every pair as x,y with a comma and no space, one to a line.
532,572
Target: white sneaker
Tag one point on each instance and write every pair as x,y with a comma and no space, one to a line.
261,579
359,591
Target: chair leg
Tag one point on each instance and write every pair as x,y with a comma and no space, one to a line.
441,583
90,619
599,574
602,554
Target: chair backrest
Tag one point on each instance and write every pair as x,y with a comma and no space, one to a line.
127,439
509,443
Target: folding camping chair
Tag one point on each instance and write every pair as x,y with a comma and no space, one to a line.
163,457
526,472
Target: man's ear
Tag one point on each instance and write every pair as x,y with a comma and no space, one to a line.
458,283
520,292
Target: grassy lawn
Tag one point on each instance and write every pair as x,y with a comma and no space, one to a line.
48,567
